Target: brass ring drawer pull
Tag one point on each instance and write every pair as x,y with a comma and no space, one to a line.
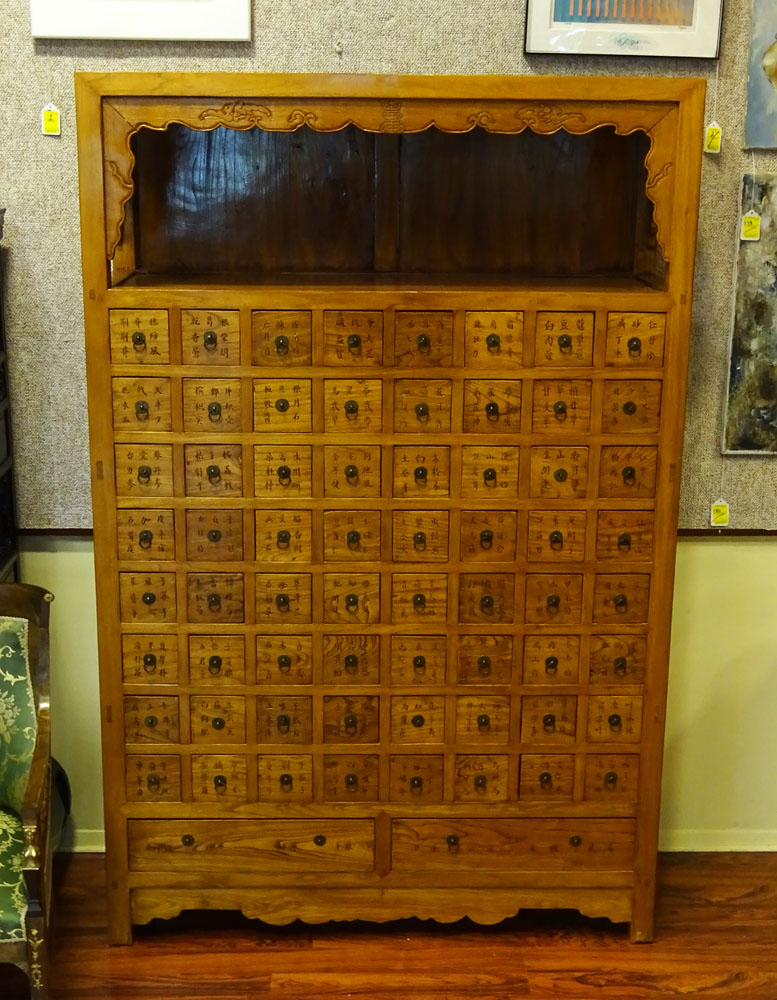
220,783
549,723
354,343
480,782
351,663
624,541
565,343
214,602
492,410
484,721
287,782
493,342
418,721
283,723
452,841
484,665
282,539
319,840
419,540
420,475
210,340
141,410
560,475
350,722
282,345
424,343
214,474
139,341
218,723
214,535
553,602
282,602
353,538
145,538
151,722
152,782
351,473
487,603
284,475
284,663
419,664
546,779
282,405
560,409
422,411
416,784
149,598
419,602
614,722
352,603
610,779
351,409
187,840
551,665
556,539
486,538
214,665
144,474
149,662
619,665
575,840
214,412
621,602
489,477
351,782
629,474
634,345
629,408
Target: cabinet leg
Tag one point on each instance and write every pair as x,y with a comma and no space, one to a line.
119,919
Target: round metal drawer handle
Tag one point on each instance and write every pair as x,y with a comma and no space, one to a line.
214,665
419,602
452,841
484,665
423,342
149,662
487,603
351,473
220,783
282,602
352,602
282,345
621,602
354,343
486,538
553,602
283,538
152,782
610,779
420,475
624,541
214,535
489,477
353,538
281,405
492,410
283,723
139,341
284,475
565,343
214,602
619,665
151,722
284,663
287,782
629,408
549,722
187,840
351,409
218,723
484,721
351,662
149,598
419,540
141,410
145,538
351,782
575,840
350,722
422,411
416,784
213,473
560,409
614,721
210,340
546,779
419,664
556,539
634,345
480,782
560,475
493,342
319,840
629,474
418,721
551,665
144,474
214,412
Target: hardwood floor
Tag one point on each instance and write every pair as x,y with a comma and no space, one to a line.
716,936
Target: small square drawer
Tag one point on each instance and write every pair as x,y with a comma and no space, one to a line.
151,720
621,598
283,598
351,718
147,597
139,336
211,405
482,718
489,473
485,659
564,339
218,718
611,777
631,407
215,597
149,659
635,339
480,778
352,405
561,406
488,535
284,659
423,339
283,536
615,718
416,778
418,719
492,406
351,659
352,536
145,535
618,659
353,337
153,778
554,598
548,718
283,405
144,470
213,470
217,660
624,535
559,473
284,471
418,659
422,406
556,536
628,471
210,337
551,659
214,535
351,778
493,339
351,472
419,598
486,597
547,777
351,598
219,779
422,471
280,337
284,718
284,778
141,405
420,535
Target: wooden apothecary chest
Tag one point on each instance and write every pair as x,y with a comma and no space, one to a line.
386,384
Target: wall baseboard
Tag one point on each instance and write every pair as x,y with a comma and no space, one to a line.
718,840
80,841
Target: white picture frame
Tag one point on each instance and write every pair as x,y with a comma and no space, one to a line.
588,31
160,20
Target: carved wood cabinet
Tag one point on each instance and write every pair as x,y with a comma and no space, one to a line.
386,381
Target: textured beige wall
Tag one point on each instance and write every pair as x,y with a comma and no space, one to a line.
38,184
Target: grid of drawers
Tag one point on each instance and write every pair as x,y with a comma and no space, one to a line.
399,557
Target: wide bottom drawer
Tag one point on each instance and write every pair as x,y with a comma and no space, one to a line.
252,846
512,845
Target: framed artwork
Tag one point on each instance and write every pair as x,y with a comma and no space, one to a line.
761,121
625,27
164,20
751,401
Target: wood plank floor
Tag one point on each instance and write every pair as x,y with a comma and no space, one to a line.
716,936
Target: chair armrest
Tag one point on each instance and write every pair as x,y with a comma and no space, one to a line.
34,812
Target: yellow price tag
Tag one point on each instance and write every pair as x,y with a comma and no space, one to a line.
713,135
719,514
49,120
751,226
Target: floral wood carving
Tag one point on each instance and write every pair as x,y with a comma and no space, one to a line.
237,115
548,117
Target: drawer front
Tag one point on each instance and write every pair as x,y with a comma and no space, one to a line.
489,473
283,536
218,718
283,598
219,779
149,659
141,405
487,597
147,597
210,337
283,405
151,720
615,719
562,406
284,719
493,339
352,536
283,473
153,778
625,535
512,845
548,719
214,535
144,470
416,779
556,536
418,719
352,598
482,718
611,778
422,406
272,846
564,339
420,535
551,659
628,471
418,659
217,660
213,470
139,336
145,535
621,598
421,472
488,536
284,778
353,405
423,339
559,473
618,659
284,659
485,659
547,777
351,778
480,778
351,718
211,405
352,472
492,406
281,337
419,598
353,337
635,340
631,407
215,597
554,598
351,659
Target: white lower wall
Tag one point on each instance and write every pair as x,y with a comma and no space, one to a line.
720,787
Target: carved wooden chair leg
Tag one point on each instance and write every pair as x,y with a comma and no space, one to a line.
38,954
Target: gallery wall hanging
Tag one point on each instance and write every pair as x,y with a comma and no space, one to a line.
163,20
761,123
